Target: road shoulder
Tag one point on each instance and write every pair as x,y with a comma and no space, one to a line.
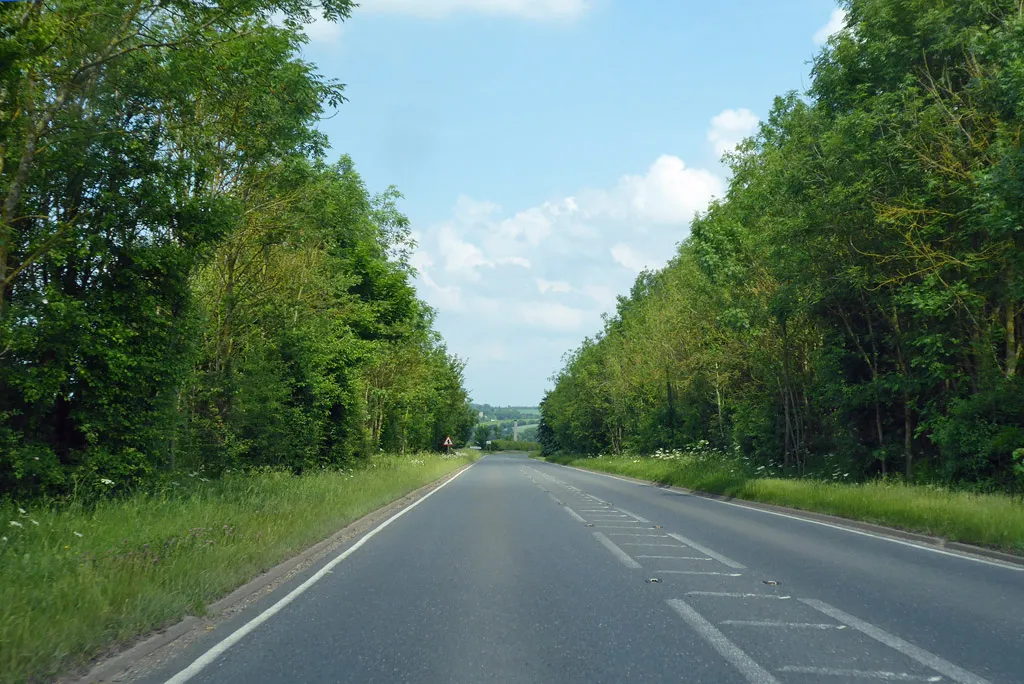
152,651
924,540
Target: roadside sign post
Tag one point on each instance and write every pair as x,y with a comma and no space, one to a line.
448,444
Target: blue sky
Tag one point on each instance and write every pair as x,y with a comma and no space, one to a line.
550,149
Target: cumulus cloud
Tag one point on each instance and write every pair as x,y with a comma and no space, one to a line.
729,128
538,279
669,193
528,9
544,286
550,316
836,23
626,256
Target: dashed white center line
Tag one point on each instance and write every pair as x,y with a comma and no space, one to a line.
922,656
664,546
698,572
708,552
626,559
731,594
576,516
754,673
862,674
635,516
777,624
627,534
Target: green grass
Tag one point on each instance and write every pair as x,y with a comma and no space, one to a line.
84,579
991,520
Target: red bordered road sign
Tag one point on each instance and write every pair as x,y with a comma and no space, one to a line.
448,442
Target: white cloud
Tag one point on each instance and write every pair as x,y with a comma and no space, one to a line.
729,128
323,31
836,23
669,193
550,316
545,286
602,294
528,9
460,256
628,257
540,278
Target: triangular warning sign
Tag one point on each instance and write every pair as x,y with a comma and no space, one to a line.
448,442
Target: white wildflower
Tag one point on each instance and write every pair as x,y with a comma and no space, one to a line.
15,523
79,534
22,511
3,538
33,521
106,481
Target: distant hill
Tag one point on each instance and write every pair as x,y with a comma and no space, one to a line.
502,413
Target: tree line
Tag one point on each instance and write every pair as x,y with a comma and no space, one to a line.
857,293
186,280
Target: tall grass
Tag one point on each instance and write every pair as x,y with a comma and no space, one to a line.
75,580
988,519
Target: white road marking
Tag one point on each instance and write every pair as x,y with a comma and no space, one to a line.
626,559
555,499
576,516
781,625
922,656
617,527
628,534
708,552
677,557
211,655
730,594
698,572
873,535
863,674
754,673
635,516
664,546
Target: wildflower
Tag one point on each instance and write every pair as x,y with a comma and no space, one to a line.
65,546
79,534
3,539
22,511
106,481
15,523
34,522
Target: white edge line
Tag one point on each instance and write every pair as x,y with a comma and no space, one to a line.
708,552
873,535
212,654
626,559
922,656
751,671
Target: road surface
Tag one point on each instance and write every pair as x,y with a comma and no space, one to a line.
524,571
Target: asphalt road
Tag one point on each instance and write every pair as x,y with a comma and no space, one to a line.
523,571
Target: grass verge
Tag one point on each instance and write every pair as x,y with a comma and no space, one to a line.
75,581
992,520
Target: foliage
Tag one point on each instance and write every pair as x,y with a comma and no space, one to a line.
185,281
75,580
858,291
995,520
